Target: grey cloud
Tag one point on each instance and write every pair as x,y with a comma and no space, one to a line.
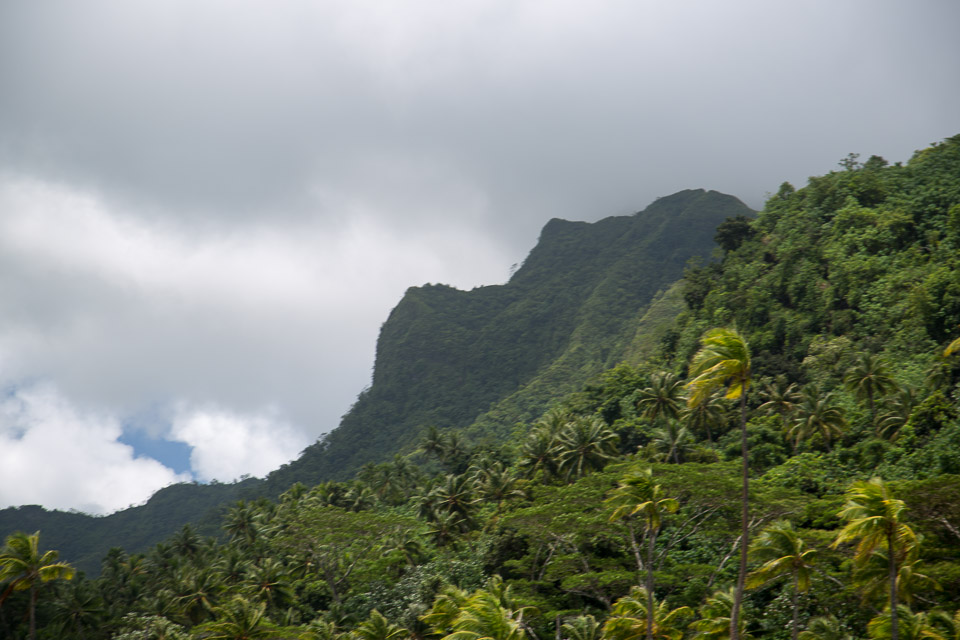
352,150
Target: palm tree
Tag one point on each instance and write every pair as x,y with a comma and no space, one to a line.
498,484
946,627
539,453
912,626
723,361
671,440
636,495
585,445
662,398
377,627
583,627
869,379
240,620
781,399
825,628
455,495
873,517
716,619
631,616
487,614
704,415
269,582
782,552
22,566
817,416
241,522
898,413
873,576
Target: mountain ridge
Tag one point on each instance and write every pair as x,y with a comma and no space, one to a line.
478,360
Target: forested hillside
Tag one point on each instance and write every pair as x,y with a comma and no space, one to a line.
444,357
817,365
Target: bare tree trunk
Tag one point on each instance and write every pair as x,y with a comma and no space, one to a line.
796,605
651,541
891,553
744,523
33,611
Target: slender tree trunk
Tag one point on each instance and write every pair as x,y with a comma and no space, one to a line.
651,541
633,544
744,523
796,605
33,611
891,553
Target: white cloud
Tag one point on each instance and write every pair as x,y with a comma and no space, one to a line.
127,312
227,445
58,455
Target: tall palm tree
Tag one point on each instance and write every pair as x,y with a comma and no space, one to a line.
637,613
637,495
869,379
24,569
782,552
873,517
818,415
723,361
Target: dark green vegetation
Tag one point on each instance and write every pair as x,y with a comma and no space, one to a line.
587,297
845,295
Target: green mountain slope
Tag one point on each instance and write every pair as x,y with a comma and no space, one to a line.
489,357
501,354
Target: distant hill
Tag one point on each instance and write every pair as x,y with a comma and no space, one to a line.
588,296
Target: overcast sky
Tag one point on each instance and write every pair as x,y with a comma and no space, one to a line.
208,207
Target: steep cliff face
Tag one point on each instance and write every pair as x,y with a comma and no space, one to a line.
499,354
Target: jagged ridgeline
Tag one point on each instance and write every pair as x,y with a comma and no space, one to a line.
496,355
585,299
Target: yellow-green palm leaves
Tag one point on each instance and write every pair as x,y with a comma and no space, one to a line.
723,361
873,518
486,614
783,553
716,619
629,619
22,568
637,495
